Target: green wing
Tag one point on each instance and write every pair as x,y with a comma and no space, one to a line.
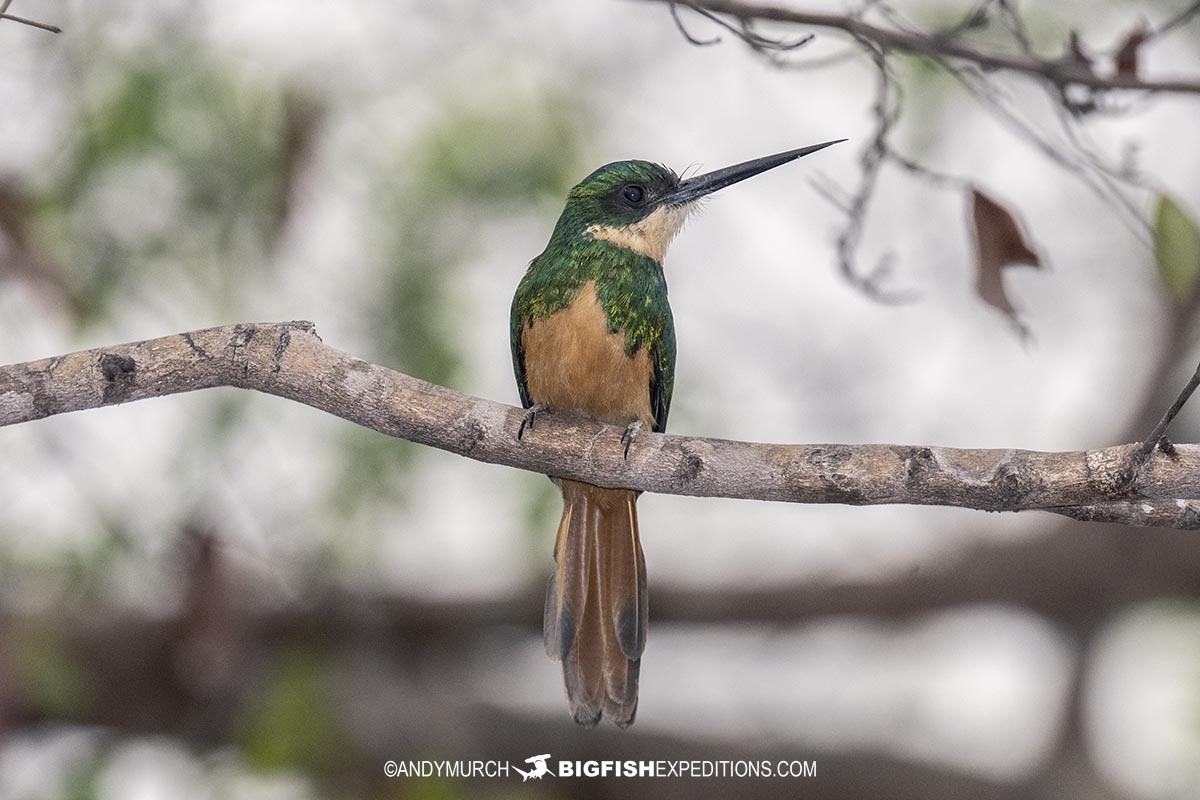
549,286
516,326
662,382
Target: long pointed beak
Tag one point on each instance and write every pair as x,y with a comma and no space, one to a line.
701,185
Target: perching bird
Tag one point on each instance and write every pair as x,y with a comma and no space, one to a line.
591,332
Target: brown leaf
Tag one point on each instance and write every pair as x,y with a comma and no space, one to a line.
1126,58
999,243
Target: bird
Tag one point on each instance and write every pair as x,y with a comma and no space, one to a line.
592,333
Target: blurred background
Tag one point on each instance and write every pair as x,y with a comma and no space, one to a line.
225,595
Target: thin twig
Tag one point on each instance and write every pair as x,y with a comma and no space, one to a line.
31,23
886,110
1108,178
942,180
829,189
987,95
1139,457
974,18
1016,26
743,31
691,39
1182,17
1057,72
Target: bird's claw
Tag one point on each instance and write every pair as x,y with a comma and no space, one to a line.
530,414
631,432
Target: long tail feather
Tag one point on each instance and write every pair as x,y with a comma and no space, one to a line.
596,602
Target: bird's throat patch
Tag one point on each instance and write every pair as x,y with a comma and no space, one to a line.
649,236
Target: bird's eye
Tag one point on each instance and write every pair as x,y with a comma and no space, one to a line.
633,194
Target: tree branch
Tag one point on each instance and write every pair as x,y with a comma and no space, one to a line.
4,4
1060,73
289,360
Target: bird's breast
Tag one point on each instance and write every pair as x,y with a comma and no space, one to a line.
573,362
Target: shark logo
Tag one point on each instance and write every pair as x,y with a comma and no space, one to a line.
539,767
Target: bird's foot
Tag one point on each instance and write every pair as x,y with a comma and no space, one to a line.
530,414
630,434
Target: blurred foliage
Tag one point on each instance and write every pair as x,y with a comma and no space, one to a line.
543,507
433,788
508,155
293,724
1176,248
83,783
47,672
929,97
177,166
76,574
515,153
371,464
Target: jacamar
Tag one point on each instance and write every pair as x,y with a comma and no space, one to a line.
591,332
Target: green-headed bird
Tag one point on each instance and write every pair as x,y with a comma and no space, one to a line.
592,333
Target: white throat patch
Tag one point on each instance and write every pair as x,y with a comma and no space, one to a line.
649,236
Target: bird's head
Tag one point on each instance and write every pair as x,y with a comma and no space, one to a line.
641,205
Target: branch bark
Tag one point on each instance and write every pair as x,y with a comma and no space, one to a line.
1061,73
289,360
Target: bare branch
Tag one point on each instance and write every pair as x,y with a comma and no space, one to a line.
743,31
1060,73
31,23
1181,515
289,360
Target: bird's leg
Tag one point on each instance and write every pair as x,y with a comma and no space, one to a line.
530,414
631,432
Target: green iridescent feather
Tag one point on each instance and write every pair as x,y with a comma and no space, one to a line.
630,286
631,290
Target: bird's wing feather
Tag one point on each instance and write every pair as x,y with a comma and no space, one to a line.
517,321
662,381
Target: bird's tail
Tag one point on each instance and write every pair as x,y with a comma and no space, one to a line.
596,606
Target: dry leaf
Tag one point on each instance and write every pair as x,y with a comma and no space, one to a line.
999,243
1126,59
